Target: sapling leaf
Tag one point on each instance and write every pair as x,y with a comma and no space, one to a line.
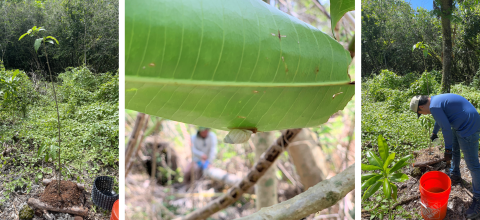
371,190
388,161
367,176
401,163
50,37
37,44
394,191
23,35
382,148
387,190
370,167
373,159
371,181
398,177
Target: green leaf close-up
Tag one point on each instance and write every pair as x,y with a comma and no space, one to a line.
338,8
37,43
382,148
231,64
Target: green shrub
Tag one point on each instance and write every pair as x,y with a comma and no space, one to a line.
22,97
108,91
476,80
470,93
408,79
426,85
397,101
83,86
388,79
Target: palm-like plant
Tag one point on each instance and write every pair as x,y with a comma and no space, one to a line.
387,176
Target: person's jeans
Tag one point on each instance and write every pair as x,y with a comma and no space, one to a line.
469,147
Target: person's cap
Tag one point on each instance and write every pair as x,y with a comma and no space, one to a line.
414,104
202,128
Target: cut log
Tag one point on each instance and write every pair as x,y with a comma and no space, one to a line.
428,156
76,210
47,181
427,163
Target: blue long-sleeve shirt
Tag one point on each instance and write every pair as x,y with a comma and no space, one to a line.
454,111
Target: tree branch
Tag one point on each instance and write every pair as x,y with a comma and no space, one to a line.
324,11
316,198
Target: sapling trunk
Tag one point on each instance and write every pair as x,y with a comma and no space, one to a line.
58,118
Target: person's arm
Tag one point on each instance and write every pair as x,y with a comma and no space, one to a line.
436,127
195,151
443,122
213,149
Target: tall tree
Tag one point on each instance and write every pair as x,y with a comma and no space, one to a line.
308,158
446,7
266,188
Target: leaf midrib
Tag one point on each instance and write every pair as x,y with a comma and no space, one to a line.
153,80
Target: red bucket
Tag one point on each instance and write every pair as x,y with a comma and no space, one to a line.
435,189
115,214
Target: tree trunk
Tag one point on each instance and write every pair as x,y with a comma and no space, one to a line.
446,8
308,158
266,187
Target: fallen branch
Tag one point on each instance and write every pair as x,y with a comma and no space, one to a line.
76,210
428,163
262,165
315,199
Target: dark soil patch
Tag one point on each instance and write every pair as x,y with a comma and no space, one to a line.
428,154
70,194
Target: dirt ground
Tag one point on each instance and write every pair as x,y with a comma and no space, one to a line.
143,202
18,198
70,194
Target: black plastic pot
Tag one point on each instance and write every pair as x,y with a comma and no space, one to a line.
102,193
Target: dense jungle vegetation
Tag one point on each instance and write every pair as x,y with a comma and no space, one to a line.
87,32
390,28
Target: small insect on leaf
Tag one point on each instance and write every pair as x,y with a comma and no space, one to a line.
237,136
336,94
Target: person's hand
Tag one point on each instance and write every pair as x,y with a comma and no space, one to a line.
433,137
204,157
448,156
